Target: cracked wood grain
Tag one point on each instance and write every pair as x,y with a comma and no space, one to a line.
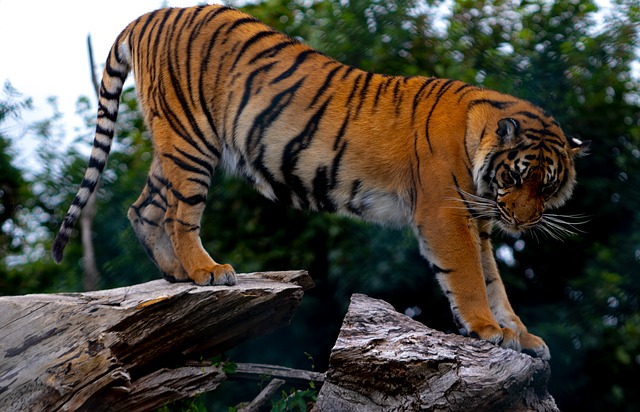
122,349
385,361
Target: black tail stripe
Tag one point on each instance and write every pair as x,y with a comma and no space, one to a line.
97,164
111,72
103,111
89,184
104,93
105,132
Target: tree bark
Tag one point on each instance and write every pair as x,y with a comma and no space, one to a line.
385,361
124,349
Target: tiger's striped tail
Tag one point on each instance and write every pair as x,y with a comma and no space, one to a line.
115,73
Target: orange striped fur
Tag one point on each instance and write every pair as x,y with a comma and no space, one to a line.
219,88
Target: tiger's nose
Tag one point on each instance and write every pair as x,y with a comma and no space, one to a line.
526,218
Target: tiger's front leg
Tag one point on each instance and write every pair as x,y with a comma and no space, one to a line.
454,252
499,303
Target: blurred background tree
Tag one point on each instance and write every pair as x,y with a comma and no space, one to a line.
582,295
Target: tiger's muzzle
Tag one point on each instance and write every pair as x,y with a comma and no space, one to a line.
522,207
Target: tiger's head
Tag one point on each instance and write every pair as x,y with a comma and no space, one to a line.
524,166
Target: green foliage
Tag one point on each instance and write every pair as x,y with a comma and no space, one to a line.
296,400
228,367
12,183
196,404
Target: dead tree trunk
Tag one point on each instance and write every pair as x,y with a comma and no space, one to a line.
385,361
124,349
136,348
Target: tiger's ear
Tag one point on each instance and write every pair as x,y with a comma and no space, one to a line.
508,129
579,148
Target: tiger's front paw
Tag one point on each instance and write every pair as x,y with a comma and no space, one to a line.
523,342
534,346
503,337
215,275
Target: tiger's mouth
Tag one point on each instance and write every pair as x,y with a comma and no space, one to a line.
555,226
514,226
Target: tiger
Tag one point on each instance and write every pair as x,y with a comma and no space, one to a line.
448,159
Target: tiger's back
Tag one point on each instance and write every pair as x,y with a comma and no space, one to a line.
218,87
285,116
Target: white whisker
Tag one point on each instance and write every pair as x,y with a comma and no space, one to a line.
479,207
551,225
547,231
570,220
560,227
535,235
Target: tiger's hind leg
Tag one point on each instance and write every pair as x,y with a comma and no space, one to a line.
188,174
147,216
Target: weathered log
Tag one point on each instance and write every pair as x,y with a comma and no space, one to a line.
386,361
123,349
258,371
263,397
